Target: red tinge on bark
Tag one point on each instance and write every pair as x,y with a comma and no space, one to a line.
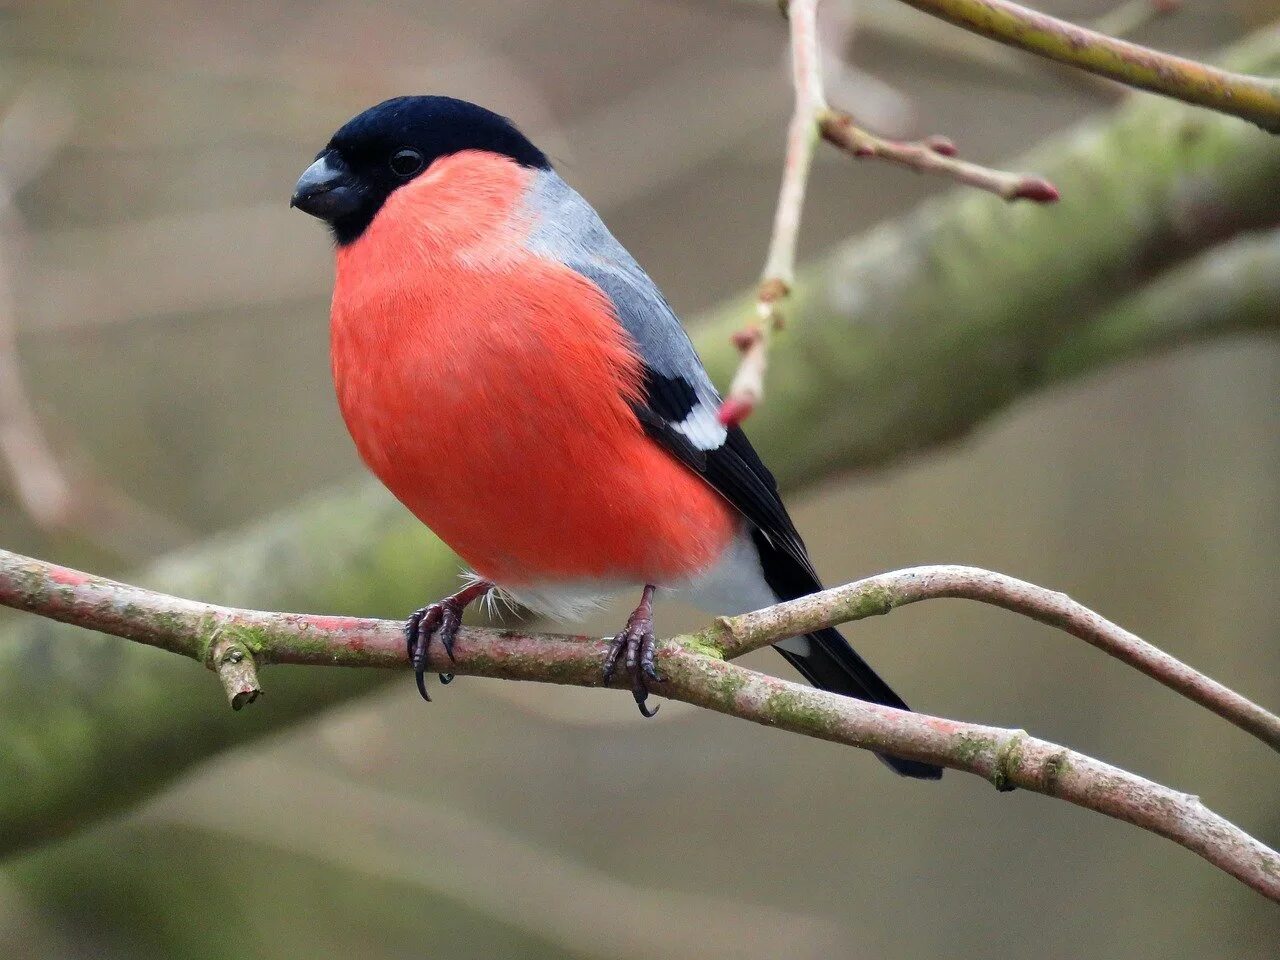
1037,189
944,146
745,339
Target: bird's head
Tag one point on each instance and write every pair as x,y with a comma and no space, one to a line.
377,152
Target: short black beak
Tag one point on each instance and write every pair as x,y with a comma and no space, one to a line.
327,189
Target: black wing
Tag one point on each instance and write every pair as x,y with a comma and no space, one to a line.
733,468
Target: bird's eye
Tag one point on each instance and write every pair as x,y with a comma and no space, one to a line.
406,162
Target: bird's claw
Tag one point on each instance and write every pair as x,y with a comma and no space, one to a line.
436,621
636,647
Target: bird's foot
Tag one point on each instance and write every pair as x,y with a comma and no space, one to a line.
438,621
636,646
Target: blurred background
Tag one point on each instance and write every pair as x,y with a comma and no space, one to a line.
163,335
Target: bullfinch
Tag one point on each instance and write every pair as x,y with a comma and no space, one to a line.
515,378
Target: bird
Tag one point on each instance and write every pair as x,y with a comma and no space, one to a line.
513,376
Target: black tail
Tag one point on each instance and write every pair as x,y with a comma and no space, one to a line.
825,658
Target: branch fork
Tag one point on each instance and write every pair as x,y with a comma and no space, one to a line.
813,119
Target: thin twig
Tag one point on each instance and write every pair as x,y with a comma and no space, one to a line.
1256,99
934,155
747,388
695,673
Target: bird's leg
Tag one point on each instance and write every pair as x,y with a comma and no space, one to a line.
637,642
438,620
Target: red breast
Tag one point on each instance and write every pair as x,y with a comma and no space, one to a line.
489,389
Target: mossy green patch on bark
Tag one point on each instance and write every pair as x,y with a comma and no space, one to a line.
1008,762
874,601
725,687
797,711
173,624
701,643
970,746
1054,768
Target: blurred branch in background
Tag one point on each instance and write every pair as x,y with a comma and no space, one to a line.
491,868
59,498
900,340
1234,287
694,668
38,128
1130,16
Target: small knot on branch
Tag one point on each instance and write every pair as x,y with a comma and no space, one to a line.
1053,770
772,290
1008,762
236,667
747,389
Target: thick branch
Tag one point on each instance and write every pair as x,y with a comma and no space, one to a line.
696,674
1256,99
1234,288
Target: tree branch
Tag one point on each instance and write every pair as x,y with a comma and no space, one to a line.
811,119
1255,99
1234,288
877,595
696,672
897,338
